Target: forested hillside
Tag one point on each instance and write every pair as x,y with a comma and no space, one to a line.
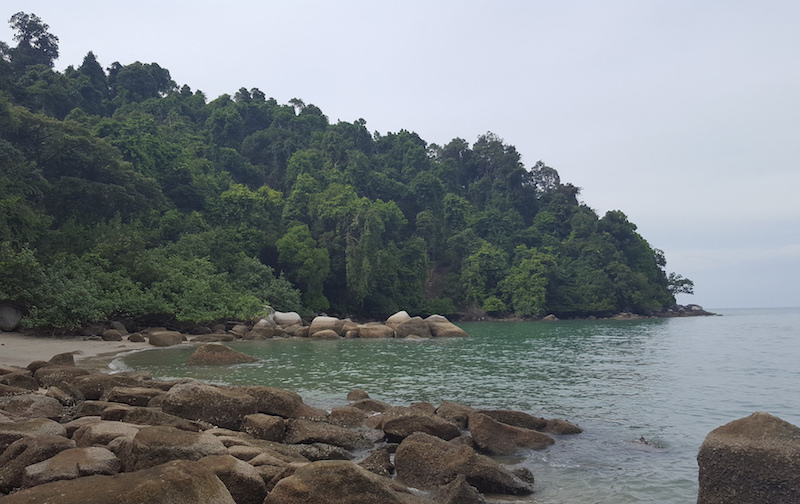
123,194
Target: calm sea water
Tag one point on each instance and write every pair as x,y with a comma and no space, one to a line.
669,381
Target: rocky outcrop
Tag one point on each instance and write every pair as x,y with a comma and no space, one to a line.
253,439
752,460
442,328
217,354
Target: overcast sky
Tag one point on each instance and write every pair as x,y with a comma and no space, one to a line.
685,115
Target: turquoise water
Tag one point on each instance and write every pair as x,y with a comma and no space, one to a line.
670,381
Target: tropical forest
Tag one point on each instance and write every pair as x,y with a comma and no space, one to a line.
126,195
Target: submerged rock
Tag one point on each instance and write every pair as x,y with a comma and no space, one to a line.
217,354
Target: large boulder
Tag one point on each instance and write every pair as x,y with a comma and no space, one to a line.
155,445
399,427
242,480
32,406
94,386
149,416
281,402
132,396
443,328
287,319
27,451
321,323
340,482
180,481
427,462
267,427
375,330
97,433
10,316
517,418
751,460
497,438
165,338
220,406
300,431
415,326
12,431
397,319
217,354
70,464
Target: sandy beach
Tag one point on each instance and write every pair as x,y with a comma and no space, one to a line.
17,349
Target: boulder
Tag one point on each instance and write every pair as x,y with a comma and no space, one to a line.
397,319
93,408
320,451
414,326
267,427
94,386
442,328
63,359
70,464
339,482
281,402
752,460
53,375
102,432
10,316
149,416
136,338
356,394
324,334
300,431
132,396
155,445
427,462
180,481
217,354
516,418
12,431
455,412
118,326
165,338
32,406
221,406
20,379
373,330
112,335
287,319
347,417
400,427
321,323
497,438
27,451
240,478
262,332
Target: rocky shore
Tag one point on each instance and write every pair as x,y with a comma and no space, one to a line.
73,434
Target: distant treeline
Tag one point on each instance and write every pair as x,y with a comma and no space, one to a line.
125,195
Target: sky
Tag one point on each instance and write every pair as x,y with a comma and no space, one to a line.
684,115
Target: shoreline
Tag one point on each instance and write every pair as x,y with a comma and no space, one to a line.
19,350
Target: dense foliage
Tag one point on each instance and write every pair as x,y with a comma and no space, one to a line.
123,194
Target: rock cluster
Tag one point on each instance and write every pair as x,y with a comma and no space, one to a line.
74,435
287,325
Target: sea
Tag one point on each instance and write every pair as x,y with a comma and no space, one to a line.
646,392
